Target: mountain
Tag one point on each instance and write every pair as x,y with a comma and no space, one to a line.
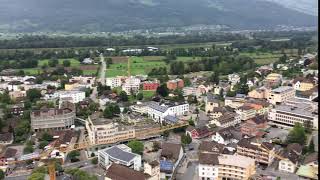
118,15
305,6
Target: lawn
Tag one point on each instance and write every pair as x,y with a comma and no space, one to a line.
74,62
32,71
138,66
148,94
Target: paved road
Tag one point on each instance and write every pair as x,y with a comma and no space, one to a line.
102,74
203,119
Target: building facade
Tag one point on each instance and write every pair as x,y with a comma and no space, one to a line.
281,94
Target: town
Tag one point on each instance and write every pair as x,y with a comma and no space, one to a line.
96,114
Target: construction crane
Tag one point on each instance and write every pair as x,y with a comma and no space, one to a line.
45,155
264,148
129,72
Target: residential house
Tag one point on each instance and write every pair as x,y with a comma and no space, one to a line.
234,78
234,102
211,147
114,82
175,84
246,112
254,126
150,85
170,157
131,85
208,166
228,119
303,84
226,136
198,133
119,154
6,138
153,169
260,93
210,103
121,172
290,158
273,79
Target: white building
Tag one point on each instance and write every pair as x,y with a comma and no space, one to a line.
113,82
294,111
234,78
76,96
120,154
281,94
246,112
131,85
158,112
208,166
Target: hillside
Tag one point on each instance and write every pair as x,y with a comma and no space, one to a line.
118,15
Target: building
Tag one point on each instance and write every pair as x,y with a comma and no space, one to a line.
87,61
261,106
153,169
17,95
226,136
228,119
273,79
105,131
211,102
217,112
170,157
246,112
6,138
289,162
175,84
73,96
198,133
303,84
120,154
234,78
296,111
53,118
262,153
255,126
158,112
213,166
211,147
131,85
281,94
113,82
234,102
260,93
120,172
309,167
150,85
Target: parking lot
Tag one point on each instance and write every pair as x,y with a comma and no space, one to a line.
275,133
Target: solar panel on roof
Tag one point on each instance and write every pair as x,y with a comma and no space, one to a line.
166,165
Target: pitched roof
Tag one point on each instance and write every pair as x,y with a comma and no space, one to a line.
9,153
171,150
212,98
313,157
120,172
208,158
227,117
258,119
6,137
202,131
211,146
297,148
291,155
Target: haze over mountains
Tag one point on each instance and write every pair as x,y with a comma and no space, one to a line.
119,15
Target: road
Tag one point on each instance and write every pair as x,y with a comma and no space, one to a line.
102,74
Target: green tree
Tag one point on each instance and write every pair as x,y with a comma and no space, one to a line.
94,160
5,98
36,176
33,94
66,63
214,78
123,96
53,62
185,139
107,113
46,137
43,144
311,147
162,90
136,146
297,134
2,175
74,155
79,174
139,96
191,122
28,148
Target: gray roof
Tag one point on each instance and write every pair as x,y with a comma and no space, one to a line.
172,119
282,89
118,153
211,98
157,107
298,109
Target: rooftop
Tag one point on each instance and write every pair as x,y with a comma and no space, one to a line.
120,154
120,172
236,160
308,171
282,89
208,158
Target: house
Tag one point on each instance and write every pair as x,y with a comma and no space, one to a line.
114,82
120,172
158,111
153,169
303,84
281,94
234,78
17,95
208,166
289,162
273,79
254,126
246,112
211,147
259,93
175,84
226,136
218,112
310,94
198,133
170,157
87,61
311,159
295,147
211,102
16,109
261,106
234,102
228,119
264,70
309,167
119,154
6,138
9,155
131,85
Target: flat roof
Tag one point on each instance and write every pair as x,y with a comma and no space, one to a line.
120,154
282,89
236,160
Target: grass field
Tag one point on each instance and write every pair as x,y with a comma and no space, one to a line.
148,94
73,62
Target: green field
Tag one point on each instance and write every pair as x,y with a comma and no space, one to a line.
148,94
73,62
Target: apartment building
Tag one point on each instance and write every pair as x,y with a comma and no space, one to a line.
254,126
158,112
170,156
214,166
211,102
281,94
105,131
53,118
294,111
114,82
120,154
150,85
73,96
175,84
228,119
246,112
131,85
262,153
273,79
235,102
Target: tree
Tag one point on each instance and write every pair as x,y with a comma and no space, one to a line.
66,63
2,175
162,90
191,122
28,148
74,155
297,134
214,78
156,146
123,96
33,94
5,98
139,96
136,146
36,176
43,144
94,160
79,174
311,147
107,113
53,62
46,137
186,139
